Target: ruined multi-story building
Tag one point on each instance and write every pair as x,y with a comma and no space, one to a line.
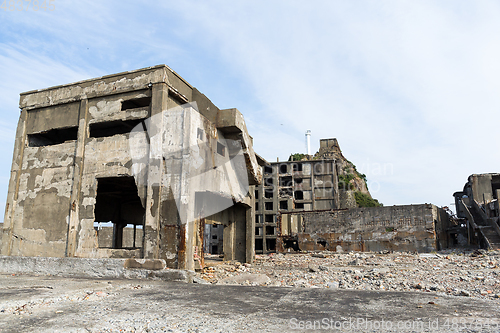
141,152
310,184
477,204
312,204
292,186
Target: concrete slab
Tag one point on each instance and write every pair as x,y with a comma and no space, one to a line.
51,304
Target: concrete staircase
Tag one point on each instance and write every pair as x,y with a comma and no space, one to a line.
491,236
488,226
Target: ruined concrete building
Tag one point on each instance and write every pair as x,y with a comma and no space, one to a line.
130,165
311,204
310,184
477,206
292,186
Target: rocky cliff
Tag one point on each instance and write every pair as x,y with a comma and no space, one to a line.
353,188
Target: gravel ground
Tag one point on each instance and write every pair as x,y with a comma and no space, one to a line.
472,273
459,291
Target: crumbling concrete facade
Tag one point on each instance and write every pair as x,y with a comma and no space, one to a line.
291,187
142,149
392,228
324,182
477,205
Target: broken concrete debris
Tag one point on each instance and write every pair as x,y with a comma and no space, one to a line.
447,272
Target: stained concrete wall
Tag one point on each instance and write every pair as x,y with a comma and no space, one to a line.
395,228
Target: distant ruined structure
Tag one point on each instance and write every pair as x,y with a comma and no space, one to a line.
313,204
478,211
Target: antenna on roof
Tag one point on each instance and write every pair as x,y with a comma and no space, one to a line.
308,142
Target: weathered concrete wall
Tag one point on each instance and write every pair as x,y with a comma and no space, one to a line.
93,268
43,201
397,228
481,187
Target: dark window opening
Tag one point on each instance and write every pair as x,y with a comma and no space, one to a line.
494,188
321,242
268,169
268,206
117,202
284,205
270,230
269,218
53,137
299,205
258,231
110,128
268,181
271,244
291,244
256,206
286,181
215,249
298,180
283,168
256,193
268,193
299,195
221,149
297,167
136,103
200,134
286,192
258,219
259,245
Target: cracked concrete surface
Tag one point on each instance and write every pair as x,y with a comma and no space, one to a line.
51,304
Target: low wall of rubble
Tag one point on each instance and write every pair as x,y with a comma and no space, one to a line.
393,228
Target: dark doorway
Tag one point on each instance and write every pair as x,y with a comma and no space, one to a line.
117,202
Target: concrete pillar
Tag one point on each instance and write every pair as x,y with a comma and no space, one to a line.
159,97
250,228
229,233
10,207
74,209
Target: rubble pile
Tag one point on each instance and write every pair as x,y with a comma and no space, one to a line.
472,273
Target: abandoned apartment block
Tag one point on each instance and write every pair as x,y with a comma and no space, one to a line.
129,165
290,187
310,205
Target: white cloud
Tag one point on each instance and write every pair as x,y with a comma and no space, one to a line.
411,83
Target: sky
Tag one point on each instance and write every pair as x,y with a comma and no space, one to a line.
411,89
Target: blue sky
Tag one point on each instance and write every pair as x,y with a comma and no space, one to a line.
411,89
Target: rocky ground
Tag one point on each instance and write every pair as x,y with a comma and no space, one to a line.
411,292
470,273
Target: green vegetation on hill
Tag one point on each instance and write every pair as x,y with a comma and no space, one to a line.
345,182
364,200
296,157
